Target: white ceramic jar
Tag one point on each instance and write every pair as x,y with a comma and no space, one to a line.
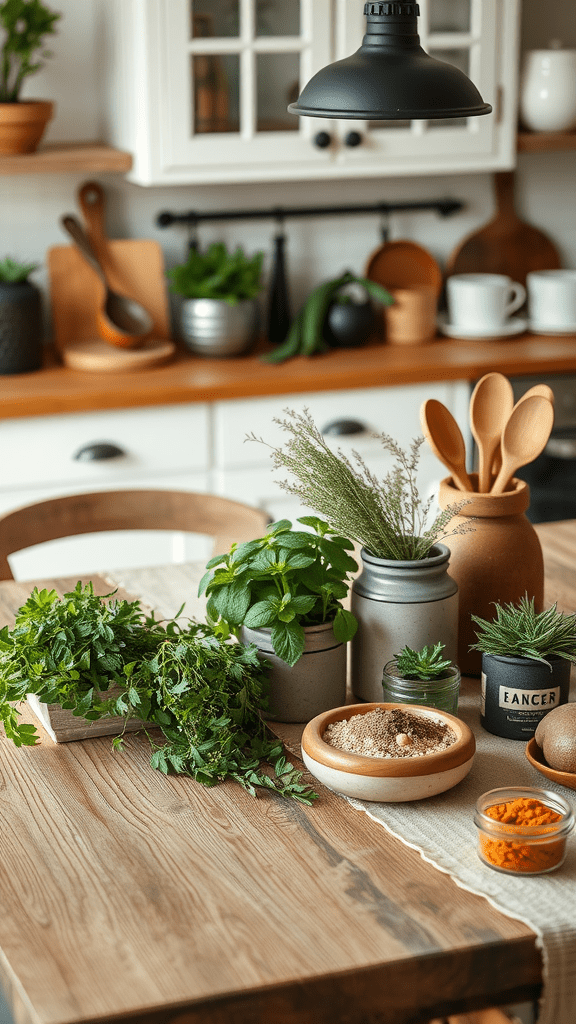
548,90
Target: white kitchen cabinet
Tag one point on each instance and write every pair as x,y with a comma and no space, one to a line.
163,447
195,447
198,90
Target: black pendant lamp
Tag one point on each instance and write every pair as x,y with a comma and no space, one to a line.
390,78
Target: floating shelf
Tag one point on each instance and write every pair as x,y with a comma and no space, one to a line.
68,158
545,142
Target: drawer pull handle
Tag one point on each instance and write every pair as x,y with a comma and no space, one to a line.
343,428
322,140
97,451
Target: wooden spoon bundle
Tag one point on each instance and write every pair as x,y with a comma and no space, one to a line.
508,436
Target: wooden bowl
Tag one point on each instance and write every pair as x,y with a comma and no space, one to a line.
387,779
538,761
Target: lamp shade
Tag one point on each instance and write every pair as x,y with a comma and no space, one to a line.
390,77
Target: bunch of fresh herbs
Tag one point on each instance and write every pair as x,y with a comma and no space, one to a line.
218,274
306,334
99,657
427,663
24,24
387,517
12,272
283,581
519,631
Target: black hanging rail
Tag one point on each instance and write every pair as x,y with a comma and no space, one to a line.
445,207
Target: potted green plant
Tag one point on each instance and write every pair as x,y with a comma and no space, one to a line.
106,661
404,593
338,313
24,25
526,658
21,328
283,593
422,677
220,313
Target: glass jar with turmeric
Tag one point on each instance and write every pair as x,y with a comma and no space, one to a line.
523,830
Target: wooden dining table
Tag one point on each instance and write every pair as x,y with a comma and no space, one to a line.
126,894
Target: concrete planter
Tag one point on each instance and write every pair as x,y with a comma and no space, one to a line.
316,683
20,327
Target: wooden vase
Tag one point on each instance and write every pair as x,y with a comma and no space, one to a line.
498,560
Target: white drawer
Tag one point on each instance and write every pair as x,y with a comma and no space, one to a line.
157,440
394,411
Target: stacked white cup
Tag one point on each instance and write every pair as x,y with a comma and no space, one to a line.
552,301
482,303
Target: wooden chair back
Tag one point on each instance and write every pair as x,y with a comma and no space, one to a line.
225,520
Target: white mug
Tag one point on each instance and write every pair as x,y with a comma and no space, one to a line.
552,298
477,301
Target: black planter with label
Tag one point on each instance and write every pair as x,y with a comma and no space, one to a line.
518,692
21,328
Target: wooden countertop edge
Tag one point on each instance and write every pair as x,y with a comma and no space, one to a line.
189,378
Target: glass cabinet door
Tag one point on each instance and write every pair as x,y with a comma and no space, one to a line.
231,68
480,38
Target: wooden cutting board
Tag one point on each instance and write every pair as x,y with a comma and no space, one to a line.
506,245
134,267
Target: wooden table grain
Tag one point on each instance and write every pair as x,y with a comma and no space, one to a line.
129,895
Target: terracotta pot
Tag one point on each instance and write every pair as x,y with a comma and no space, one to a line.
23,124
411,320
499,560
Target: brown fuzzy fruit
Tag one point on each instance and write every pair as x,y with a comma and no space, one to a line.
556,736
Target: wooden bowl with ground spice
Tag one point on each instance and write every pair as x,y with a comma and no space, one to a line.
388,752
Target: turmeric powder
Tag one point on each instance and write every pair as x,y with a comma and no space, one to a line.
530,818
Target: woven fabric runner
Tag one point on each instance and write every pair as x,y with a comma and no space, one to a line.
441,828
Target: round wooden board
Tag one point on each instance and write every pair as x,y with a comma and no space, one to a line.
100,357
403,265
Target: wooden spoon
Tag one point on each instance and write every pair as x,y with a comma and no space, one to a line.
445,439
537,389
490,407
524,438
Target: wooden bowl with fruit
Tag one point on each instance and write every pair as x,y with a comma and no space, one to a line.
552,749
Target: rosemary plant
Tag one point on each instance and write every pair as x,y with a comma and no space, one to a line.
386,517
425,664
519,631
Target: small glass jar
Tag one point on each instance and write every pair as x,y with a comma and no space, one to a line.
439,693
518,848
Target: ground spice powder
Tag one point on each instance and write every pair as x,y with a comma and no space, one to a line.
389,733
526,857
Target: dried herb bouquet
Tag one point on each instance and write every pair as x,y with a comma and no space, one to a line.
387,517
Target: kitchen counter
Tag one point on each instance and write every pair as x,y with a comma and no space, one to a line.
190,378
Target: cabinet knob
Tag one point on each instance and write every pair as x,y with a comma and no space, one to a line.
322,140
97,451
353,139
343,428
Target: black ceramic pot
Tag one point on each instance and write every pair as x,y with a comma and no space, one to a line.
349,324
20,327
518,692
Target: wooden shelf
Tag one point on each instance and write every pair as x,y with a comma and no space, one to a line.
68,158
545,142
191,378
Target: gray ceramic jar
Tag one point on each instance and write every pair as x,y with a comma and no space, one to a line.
518,692
399,604
316,683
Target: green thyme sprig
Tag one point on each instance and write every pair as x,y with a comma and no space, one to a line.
519,631
98,657
427,663
387,517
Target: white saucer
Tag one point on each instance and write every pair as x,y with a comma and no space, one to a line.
516,325
558,331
